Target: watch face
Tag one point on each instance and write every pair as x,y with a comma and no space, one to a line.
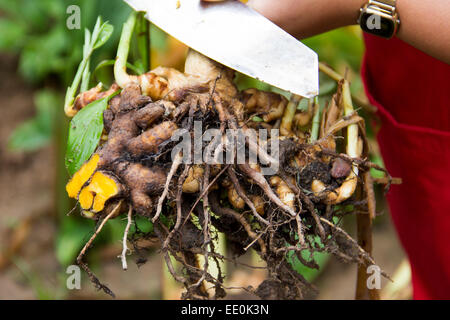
377,25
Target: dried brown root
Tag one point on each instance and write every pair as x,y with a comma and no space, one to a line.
85,267
360,255
256,204
259,179
147,115
220,210
179,217
176,163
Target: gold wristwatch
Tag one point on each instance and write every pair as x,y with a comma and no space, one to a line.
380,17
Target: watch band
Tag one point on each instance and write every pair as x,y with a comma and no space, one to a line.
386,21
390,6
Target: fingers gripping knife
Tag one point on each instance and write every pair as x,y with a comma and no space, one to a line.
238,37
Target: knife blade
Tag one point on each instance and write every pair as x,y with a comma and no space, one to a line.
238,37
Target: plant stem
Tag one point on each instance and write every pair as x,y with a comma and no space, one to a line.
316,121
100,34
288,117
86,53
364,235
143,38
120,67
352,130
72,90
86,76
330,72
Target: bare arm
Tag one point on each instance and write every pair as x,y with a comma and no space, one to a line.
425,24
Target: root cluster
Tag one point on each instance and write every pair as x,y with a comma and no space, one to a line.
138,170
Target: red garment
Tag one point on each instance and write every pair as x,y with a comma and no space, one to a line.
412,93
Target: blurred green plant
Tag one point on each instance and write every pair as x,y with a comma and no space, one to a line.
41,291
48,53
37,132
36,31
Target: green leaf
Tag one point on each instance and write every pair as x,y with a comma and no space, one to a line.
321,258
84,134
144,224
103,64
106,30
308,273
257,119
244,82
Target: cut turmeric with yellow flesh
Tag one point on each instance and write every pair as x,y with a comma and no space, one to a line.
81,176
100,189
86,198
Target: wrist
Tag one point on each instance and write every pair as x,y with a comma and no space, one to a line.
351,10
305,18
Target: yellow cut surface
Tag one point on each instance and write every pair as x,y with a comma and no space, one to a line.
86,198
102,187
81,176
